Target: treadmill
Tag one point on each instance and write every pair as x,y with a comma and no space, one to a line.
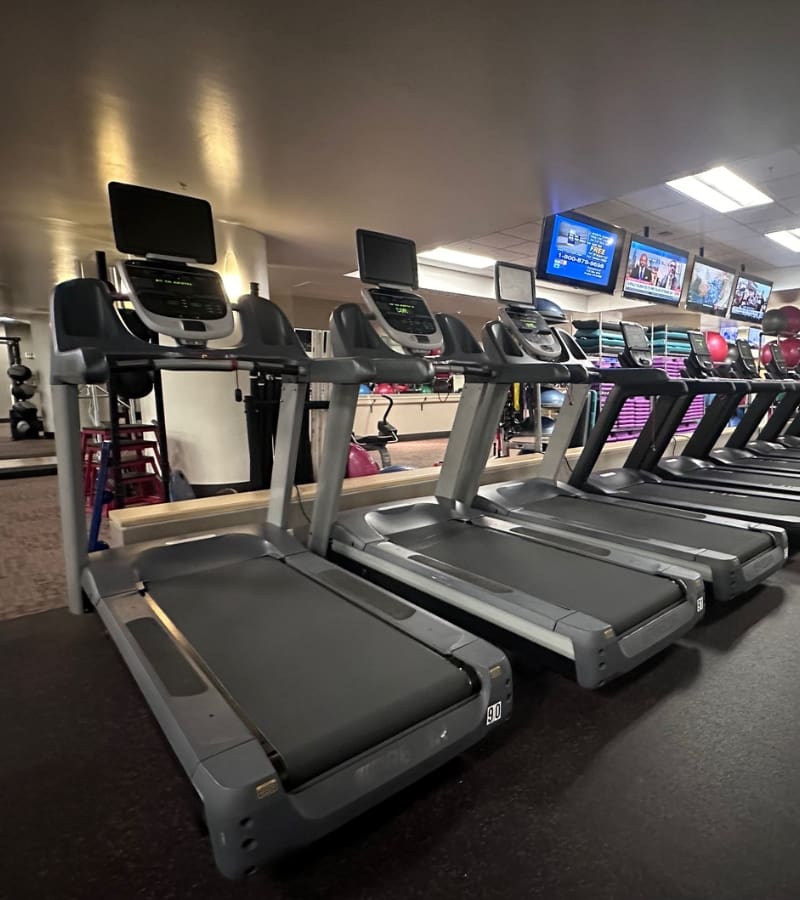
605,609
701,463
741,450
639,479
783,426
294,694
733,556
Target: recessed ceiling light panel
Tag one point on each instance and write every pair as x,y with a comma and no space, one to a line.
457,258
721,189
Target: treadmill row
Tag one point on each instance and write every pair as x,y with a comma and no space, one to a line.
301,682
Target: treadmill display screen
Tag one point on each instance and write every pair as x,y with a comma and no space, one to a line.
180,293
161,223
514,284
635,337
746,355
385,259
404,312
698,343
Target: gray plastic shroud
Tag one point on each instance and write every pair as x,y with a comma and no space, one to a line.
252,819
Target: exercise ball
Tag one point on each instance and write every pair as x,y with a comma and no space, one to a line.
383,388
717,346
134,384
766,354
552,398
791,351
364,389
791,319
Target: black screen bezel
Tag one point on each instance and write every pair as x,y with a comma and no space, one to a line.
776,345
698,307
705,352
656,245
740,318
507,265
362,235
627,328
120,195
548,226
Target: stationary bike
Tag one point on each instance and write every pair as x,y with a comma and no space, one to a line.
359,461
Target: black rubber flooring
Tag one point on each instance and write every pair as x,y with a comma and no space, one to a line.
682,781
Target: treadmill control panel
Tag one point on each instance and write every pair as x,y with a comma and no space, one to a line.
776,366
405,317
185,302
532,331
637,352
745,361
700,362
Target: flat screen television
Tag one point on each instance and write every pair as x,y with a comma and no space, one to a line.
655,271
750,298
581,252
710,287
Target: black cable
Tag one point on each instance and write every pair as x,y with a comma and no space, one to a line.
302,505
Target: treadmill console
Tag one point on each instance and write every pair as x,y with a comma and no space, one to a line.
532,331
776,367
745,364
699,363
405,317
391,263
637,353
184,302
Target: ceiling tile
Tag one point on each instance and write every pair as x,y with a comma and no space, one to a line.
782,188
758,214
497,240
793,206
608,210
472,247
684,212
651,198
527,231
730,233
509,256
526,247
762,169
637,222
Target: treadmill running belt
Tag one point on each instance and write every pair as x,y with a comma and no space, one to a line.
319,677
621,597
763,508
644,523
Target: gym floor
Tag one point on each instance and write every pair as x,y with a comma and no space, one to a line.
679,781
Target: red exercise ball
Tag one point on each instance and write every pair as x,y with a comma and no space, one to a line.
791,319
791,351
717,346
766,354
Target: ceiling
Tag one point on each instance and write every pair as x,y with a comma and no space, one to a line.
735,238
306,120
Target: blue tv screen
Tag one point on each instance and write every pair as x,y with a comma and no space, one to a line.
581,252
750,298
655,272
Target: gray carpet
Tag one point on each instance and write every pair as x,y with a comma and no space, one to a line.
24,449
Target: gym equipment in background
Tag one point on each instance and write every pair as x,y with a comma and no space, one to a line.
294,694
24,414
783,321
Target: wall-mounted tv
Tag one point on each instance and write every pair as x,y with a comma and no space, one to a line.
580,251
655,271
710,287
750,298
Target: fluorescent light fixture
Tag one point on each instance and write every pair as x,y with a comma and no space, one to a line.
355,274
789,239
457,258
720,189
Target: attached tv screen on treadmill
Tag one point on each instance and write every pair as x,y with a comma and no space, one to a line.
750,299
698,343
580,251
160,223
635,336
513,283
655,272
386,259
710,287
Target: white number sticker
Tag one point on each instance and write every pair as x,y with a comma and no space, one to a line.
494,712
